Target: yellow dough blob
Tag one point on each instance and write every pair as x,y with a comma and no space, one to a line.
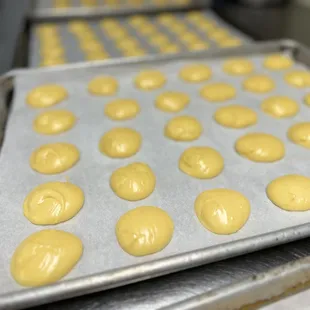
277,62
122,109
298,78
195,73
260,147
52,203
54,158
300,134
290,192
238,66
235,116
280,106
218,92
307,99
46,95
54,122
149,80
144,230
133,182
171,101
103,86
259,84
120,142
222,211
45,257
201,162
183,128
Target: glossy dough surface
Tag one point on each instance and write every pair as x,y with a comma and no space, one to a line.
238,66
144,230
259,84
172,101
290,192
54,122
235,116
122,109
54,158
133,182
280,106
298,78
218,92
103,86
120,142
222,211
195,73
260,147
46,95
45,257
52,203
150,80
300,134
183,128
277,62
201,162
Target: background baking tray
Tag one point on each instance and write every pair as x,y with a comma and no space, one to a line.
74,53
49,9
104,265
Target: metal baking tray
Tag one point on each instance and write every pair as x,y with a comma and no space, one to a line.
45,9
254,292
74,53
104,265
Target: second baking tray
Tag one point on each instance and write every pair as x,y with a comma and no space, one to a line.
104,264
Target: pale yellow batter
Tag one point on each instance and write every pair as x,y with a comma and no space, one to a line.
195,73
103,86
54,122
230,42
222,211
277,62
307,99
172,101
235,116
183,128
54,158
46,95
300,134
201,162
238,66
218,92
45,257
133,182
120,142
290,192
144,230
122,109
198,45
259,84
169,48
298,78
159,39
280,106
52,203
260,147
150,79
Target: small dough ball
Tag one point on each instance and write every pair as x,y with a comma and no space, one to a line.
122,109
307,99
235,116
218,92
133,182
260,147
195,73
45,257
169,49
183,128
53,203
290,192
159,39
230,42
137,20
150,80
277,62
54,158
201,162
144,231
222,211
259,84
300,134
54,122
198,45
238,66
46,95
172,101
103,86
280,106
298,78
120,143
